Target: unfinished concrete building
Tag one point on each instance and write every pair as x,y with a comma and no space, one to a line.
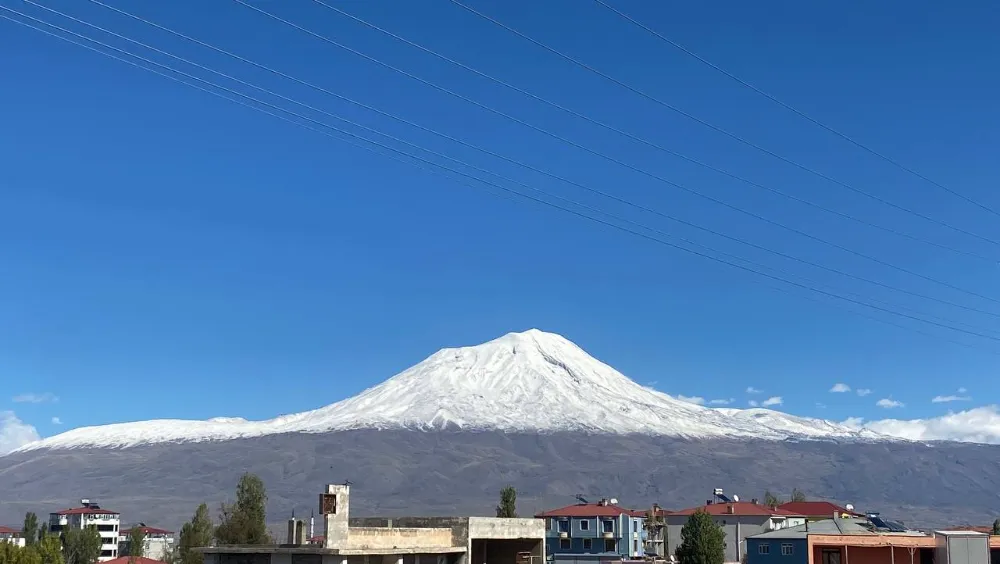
407,540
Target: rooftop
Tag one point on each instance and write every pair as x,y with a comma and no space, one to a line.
831,527
146,531
9,531
745,508
590,510
815,508
85,511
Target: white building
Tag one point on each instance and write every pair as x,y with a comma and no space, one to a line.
89,513
11,535
156,543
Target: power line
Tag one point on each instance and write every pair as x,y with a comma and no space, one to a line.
494,185
716,128
796,111
613,159
479,169
644,141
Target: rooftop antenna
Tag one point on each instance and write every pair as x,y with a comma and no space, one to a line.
348,482
581,499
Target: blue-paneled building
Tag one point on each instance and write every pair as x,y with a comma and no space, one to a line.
591,532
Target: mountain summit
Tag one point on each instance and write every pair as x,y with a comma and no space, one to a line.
521,382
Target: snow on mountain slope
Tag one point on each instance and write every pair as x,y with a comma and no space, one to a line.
531,382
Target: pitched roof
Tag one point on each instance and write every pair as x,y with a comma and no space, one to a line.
737,508
146,531
85,511
587,510
816,508
131,560
8,531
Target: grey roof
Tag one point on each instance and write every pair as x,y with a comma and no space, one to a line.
827,527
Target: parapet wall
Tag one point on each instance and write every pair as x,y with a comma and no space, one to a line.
377,538
499,528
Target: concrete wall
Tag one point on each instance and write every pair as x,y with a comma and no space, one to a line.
497,528
799,555
736,528
387,538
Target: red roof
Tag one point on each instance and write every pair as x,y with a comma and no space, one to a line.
147,531
86,511
587,510
8,531
815,508
738,508
131,560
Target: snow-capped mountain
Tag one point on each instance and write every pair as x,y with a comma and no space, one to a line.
522,382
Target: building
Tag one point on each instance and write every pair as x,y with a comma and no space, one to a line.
738,519
592,532
868,540
656,532
89,513
11,535
406,540
820,510
130,560
156,542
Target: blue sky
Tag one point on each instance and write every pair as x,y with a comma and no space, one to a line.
205,259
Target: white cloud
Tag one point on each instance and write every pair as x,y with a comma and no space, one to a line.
853,423
692,399
820,405
962,390
752,390
888,403
753,403
14,433
56,421
976,425
35,398
840,388
946,399
721,401
863,391
773,400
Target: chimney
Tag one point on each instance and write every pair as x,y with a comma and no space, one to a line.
754,501
730,509
708,502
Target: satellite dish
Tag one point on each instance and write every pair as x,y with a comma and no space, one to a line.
849,507
614,501
736,497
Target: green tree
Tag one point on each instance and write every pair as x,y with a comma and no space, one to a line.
996,527
81,546
49,549
30,528
508,502
771,500
11,553
244,522
136,544
797,495
195,533
702,541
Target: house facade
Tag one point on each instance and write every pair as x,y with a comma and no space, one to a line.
593,532
157,542
90,514
738,520
12,536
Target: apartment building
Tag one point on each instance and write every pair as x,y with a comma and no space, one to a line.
157,542
90,513
11,535
594,532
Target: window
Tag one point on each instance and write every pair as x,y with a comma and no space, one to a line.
635,524
563,526
610,545
787,549
564,544
609,526
763,548
588,544
635,546
585,524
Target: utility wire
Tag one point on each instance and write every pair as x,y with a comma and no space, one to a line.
479,169
718,129
494,185
644,141
794,110
615,160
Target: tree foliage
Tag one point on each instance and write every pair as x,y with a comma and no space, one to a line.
771,500
798,495
136,543
81,546
245,522
996,527
49,548
11,553
702,541
30,528
508,502
195,533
